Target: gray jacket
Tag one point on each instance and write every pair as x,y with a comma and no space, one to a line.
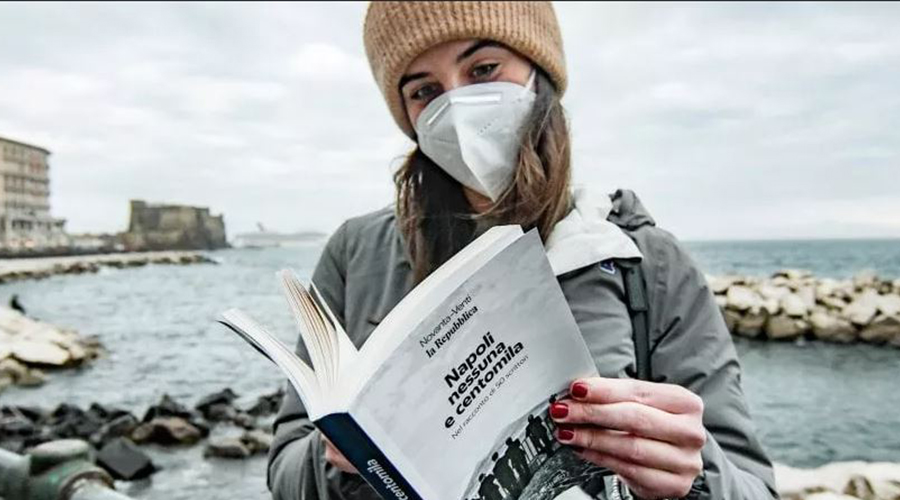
363,274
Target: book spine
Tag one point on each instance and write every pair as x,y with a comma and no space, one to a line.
359,449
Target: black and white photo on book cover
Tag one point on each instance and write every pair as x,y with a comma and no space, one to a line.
528,463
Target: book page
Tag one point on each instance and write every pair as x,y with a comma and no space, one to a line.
460,407
299,374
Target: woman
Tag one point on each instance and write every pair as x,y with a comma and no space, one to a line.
477,86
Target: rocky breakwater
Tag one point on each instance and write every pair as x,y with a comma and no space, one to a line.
37,268
28,347
118,436
840,481
795,304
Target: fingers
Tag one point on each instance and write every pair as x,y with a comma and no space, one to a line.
646,482
634,449
633,418
667,397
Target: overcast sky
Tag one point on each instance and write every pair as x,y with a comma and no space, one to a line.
729,120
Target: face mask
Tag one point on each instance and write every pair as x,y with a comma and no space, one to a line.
475,132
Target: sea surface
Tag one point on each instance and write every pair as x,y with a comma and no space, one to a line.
813,403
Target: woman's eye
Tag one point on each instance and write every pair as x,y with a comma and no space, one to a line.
425,92
483,71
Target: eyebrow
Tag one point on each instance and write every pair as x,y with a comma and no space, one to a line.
408,78
475,47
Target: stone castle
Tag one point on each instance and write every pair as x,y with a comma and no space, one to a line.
173,227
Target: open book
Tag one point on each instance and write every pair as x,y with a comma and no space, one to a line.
449,396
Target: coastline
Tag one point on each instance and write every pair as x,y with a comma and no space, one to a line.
17,269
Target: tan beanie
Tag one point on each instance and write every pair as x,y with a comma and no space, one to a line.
395,33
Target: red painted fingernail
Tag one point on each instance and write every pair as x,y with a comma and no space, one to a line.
565,434
559,410
579,390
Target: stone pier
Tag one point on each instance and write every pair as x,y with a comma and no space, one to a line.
795,304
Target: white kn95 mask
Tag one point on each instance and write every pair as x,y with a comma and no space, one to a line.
475,132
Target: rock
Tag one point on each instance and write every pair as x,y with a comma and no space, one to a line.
257,441
267,404
794,306
202,426
40,353
13,369
32,413
244,420
869,481
16,426
168,407
41,436
889,305
807,293
226,447
832,329
721,301
16,429
33,378
223,397
773,292
732,318
863,308
833,303
825,288
882,478
883,329
720,284
107,414
783,327
865,279
5,351
771,306
792,274
123,460
741,298
166,431
780,281
752,323
77,353
121,426
859,487
829,495
220,413
69,421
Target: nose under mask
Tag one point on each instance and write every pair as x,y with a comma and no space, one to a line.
475,132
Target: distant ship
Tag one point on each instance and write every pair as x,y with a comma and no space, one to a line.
264,238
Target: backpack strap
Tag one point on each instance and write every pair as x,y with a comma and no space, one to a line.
638,308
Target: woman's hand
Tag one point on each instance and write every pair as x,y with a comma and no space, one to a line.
336,458
650,434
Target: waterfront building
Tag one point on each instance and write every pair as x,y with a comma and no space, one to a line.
25,220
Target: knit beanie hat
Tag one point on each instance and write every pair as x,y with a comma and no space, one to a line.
395,33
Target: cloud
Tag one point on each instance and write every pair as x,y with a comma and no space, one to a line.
324,62
729,120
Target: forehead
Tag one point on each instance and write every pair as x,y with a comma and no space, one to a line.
443,53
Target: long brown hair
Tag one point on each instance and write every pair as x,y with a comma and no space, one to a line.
435,217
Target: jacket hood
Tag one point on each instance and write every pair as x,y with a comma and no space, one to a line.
628,212
586,236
